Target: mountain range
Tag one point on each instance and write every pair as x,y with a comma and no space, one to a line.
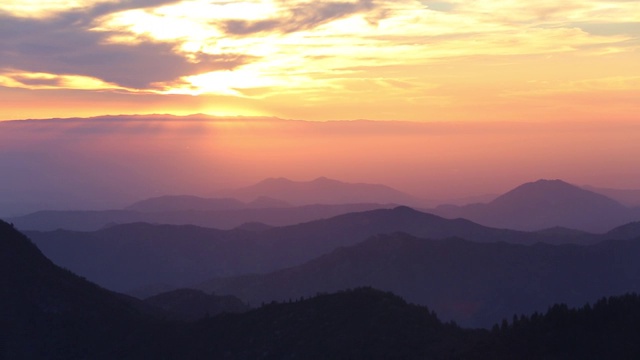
532,206
131,256
50,313
128,256
275,202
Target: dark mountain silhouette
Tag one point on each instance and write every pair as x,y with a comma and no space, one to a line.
472,283
222,219
324,191
127,257
52,314
369,324
49,313
46,312
604,330
190,304
545,204
356,324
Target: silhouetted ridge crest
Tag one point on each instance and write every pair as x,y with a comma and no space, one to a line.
405,210
362,323
191,304
17,252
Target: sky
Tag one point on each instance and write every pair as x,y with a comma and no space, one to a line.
111,162
480,60
441,99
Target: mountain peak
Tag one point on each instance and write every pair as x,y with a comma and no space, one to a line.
549,191
557,181
549,183
405,210
323,179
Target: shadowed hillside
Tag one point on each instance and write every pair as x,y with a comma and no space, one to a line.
50,313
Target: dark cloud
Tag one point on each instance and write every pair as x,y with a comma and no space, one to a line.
64,44
243,27
111,7
300,18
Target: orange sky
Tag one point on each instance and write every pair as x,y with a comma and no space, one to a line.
483,60
113,161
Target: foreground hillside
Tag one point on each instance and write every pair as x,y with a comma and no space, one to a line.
49,313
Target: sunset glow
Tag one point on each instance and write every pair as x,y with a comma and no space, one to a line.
382,59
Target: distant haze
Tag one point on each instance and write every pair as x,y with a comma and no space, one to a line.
111,162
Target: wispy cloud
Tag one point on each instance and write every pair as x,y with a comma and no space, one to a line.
315,51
